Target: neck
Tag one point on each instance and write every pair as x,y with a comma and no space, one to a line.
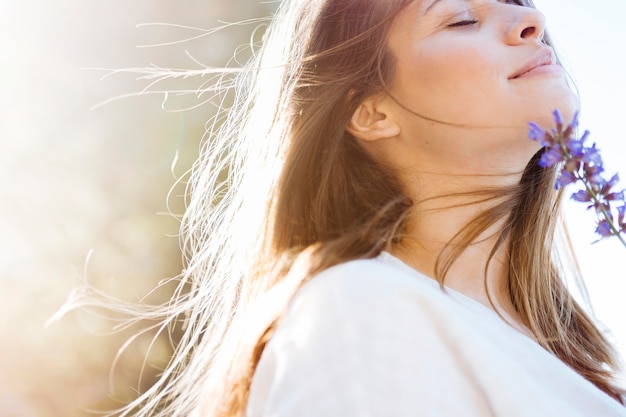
434,230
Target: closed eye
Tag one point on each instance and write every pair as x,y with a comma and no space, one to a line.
463,23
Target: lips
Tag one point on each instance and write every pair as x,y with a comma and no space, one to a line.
545,57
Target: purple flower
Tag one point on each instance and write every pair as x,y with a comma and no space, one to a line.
585,135
574,123
572,166
565,178
582,196
580,163
550,157
601,208
592,156
593,176
558,119
576,148
617,196
536,133
613,181
604,229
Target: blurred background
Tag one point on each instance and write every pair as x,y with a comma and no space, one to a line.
82,174
77,179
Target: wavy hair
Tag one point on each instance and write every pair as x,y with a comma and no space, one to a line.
282,191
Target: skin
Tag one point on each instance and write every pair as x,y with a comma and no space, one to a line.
456,60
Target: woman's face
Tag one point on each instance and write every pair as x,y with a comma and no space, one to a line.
479,63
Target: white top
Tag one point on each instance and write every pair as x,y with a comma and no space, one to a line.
377,338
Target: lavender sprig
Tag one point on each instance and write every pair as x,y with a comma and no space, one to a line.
580,163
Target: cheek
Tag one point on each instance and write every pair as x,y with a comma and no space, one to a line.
447,82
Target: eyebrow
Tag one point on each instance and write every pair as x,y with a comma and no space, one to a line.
433,4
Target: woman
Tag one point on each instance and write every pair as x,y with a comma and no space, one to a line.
384,243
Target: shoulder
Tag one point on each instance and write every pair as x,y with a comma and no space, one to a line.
364,278
370,298
362,338
376,282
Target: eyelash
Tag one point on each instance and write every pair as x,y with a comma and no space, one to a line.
462,23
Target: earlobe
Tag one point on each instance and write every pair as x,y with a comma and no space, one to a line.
371,122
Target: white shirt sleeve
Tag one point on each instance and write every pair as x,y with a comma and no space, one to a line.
355,342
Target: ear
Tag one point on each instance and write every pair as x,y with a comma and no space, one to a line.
372,120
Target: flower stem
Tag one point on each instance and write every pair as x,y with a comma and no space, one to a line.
608,217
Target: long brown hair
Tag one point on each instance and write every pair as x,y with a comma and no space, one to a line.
299,183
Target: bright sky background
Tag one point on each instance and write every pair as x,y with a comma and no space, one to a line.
590,37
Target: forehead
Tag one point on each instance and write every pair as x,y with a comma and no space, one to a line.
418,9
426,5
414,15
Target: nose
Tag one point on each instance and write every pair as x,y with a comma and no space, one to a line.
526,24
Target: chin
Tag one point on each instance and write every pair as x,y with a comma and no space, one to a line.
566,102
539,105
